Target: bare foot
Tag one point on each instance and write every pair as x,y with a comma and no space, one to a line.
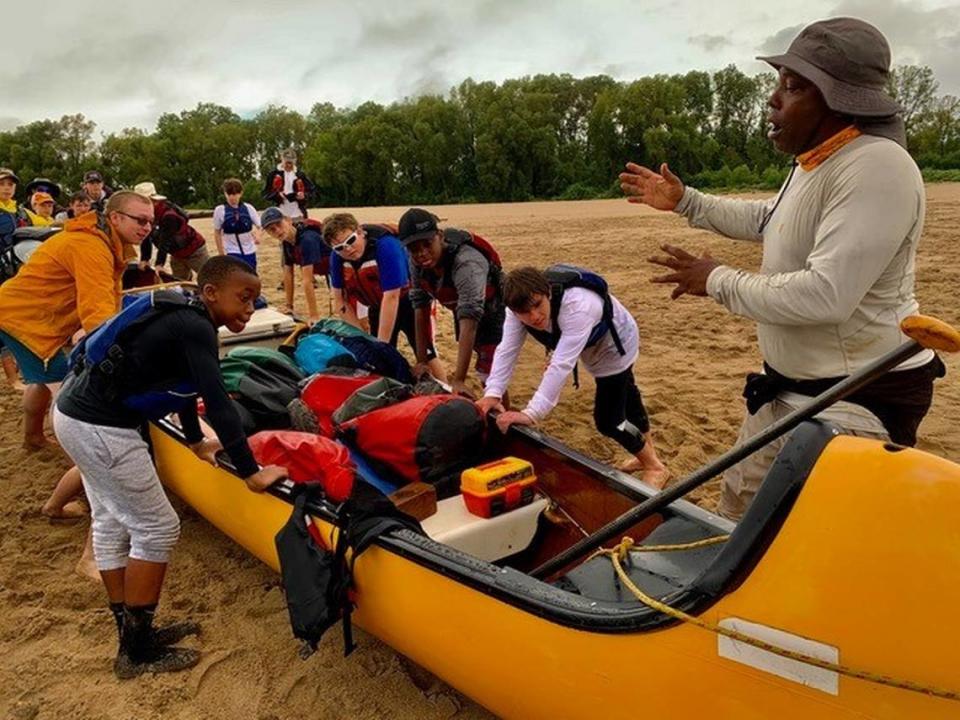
631,465
87,566
42,443
70,512
657,479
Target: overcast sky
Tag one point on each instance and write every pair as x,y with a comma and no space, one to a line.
123,64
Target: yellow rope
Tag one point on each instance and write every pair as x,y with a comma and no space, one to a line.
621,552
706,542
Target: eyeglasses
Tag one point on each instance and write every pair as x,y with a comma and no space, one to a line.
141,221
345,244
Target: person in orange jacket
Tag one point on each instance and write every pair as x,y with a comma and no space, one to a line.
70,285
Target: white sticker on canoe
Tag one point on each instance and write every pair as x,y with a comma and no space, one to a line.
800,672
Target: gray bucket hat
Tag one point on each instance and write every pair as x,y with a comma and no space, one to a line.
849,62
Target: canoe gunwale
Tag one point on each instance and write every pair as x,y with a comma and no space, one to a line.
740,555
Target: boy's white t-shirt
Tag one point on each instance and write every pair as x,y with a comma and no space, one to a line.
237,244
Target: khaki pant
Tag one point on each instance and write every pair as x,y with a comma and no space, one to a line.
743,480
182,267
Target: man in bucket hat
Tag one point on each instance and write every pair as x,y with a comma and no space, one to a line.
839,247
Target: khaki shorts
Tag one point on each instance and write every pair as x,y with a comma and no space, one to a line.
182,267
743,480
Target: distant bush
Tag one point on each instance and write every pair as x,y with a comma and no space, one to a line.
581,191
933,175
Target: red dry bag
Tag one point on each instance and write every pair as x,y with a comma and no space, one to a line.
307,458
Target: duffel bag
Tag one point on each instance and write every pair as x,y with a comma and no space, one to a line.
318,352
263,382
425,438
378,357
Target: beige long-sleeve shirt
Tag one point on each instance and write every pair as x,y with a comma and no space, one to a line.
839,254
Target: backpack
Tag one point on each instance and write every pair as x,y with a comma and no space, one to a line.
337,329
102,352
17,247
236,220
263,382
318,352
429,438
378,357
562,277
176,242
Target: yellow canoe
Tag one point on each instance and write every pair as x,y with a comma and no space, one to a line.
850,553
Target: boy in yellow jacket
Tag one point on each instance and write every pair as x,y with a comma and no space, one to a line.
70,283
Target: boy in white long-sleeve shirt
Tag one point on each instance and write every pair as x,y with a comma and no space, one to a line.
570,312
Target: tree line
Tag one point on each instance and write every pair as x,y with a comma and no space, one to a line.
546,136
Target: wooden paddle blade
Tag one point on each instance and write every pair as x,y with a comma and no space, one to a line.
931,333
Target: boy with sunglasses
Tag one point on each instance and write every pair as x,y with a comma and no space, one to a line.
370,267
71,283
302,246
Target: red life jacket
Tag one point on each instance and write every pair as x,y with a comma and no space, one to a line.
440,285
361,277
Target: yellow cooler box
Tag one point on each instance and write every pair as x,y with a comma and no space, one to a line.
498,486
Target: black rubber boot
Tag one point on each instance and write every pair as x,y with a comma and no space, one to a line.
164,635
138,654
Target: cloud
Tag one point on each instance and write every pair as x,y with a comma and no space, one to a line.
710,43
122,64
780,40
918,35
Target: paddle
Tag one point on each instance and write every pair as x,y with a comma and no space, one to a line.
925,332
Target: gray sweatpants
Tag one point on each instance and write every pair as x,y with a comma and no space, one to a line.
131,515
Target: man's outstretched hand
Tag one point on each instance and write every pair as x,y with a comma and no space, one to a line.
690,273
661,190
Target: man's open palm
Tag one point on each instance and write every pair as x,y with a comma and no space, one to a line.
642,185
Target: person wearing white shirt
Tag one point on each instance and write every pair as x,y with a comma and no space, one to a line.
571,321
234,223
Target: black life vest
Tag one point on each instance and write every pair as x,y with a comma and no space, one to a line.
439,285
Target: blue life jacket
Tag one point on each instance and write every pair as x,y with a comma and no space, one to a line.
102,352
236,220
561,277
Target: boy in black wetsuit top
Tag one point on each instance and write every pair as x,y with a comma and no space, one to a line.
170,352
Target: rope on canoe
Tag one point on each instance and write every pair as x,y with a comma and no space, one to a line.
621,553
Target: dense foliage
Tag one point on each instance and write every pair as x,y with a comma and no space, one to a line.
548,136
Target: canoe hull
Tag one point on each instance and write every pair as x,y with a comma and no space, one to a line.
812,582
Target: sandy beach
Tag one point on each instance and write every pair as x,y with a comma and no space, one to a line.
57,639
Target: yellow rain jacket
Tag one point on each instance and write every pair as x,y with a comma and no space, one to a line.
71,281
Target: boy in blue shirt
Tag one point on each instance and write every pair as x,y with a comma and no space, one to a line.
302,245
370,266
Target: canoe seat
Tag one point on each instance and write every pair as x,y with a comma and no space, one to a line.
489,539
656,573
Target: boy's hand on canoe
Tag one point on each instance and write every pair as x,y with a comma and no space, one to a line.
260,481
486,404
207,450
513,417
